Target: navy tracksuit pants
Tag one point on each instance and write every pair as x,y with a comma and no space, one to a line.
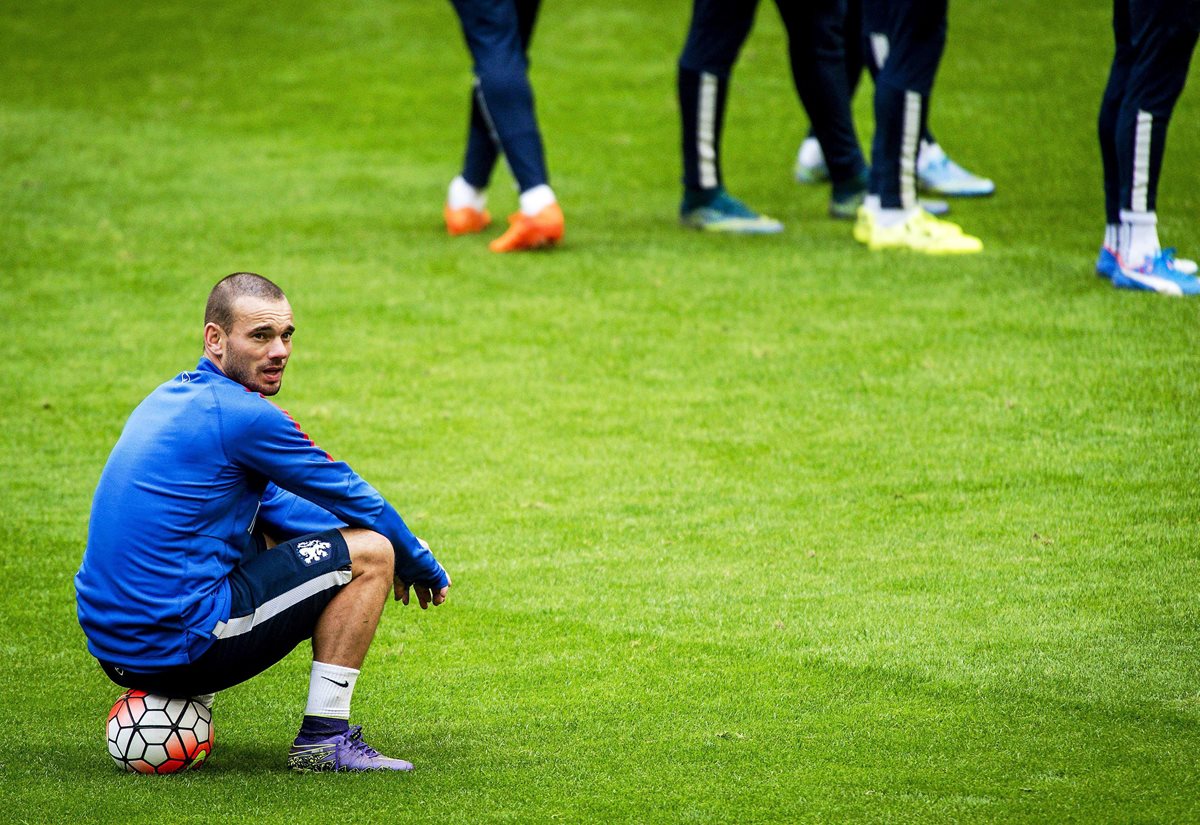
859,57
816,50
906,39
502,111
1154,44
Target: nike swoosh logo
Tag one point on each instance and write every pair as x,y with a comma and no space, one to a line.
336,682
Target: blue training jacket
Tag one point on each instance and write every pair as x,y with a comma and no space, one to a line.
202,463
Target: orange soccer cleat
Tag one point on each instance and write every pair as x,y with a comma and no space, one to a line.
465,220
531,231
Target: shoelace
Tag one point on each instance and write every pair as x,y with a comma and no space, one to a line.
928,225
354,740
949,167
939,164
1162,264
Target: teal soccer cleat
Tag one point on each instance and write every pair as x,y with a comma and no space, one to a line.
718,211
1107,264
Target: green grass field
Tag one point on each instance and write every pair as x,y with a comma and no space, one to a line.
742,530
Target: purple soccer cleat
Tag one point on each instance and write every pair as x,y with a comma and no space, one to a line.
340,752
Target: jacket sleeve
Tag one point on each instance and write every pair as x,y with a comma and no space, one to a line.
285,516
263,439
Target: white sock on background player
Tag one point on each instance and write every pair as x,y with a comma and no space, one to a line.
536,199
463,194
886,218
1138,237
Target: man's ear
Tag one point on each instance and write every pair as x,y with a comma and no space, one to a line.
214,340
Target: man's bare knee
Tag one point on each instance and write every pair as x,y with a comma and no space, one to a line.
370,553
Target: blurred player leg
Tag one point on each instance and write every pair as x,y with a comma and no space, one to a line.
716,34
1164,35
503,120
810,159
810,166
906,38
937,173
1107,264
816,48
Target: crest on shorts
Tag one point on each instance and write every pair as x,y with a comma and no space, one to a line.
312,551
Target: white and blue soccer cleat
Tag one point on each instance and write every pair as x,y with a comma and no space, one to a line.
1157,273
937,208
937,174
1107,264
1185,266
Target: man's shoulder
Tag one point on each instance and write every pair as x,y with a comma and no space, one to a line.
237,399
231,399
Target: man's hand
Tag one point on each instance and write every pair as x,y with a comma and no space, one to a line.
425,594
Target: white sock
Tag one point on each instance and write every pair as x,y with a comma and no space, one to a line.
463,194
872,203
205,699
810,153
536,199
1138,237
1111,236
329,690
888,218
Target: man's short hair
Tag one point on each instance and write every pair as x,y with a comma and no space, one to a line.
219,309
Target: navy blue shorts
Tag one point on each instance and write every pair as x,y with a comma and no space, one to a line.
275,601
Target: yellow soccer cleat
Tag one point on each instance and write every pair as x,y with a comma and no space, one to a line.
921,232
862,225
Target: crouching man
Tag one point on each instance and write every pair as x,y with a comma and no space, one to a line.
221,537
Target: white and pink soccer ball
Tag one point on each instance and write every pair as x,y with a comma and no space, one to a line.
154,734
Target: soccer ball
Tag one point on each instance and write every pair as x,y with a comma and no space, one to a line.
154,734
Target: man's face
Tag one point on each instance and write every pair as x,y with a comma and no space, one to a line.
256,350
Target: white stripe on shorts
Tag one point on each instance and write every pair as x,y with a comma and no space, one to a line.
236,626
1141,162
